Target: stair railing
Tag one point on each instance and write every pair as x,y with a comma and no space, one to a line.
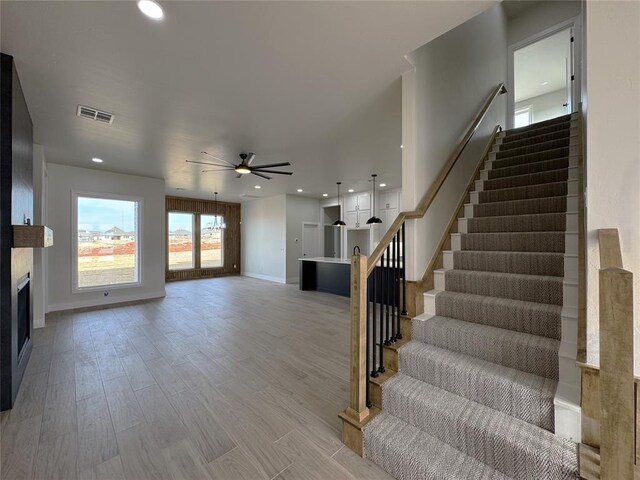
379,294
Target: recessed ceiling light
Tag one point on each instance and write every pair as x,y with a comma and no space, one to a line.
351,190
96,160
383,184
299,190
325,194
544,83
151,9
257,187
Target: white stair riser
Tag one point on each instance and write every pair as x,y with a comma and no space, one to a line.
429,303
568,422
439,280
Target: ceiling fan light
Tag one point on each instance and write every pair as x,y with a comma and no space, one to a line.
243,169
373,220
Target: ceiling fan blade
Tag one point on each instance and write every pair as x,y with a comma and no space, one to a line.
253,170
270,165
215,170
252,157
208,163
261,175
222,160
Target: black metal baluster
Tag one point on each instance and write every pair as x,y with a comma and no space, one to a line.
393,291
397,286
404,272
383,277
367,392
374,368
388,289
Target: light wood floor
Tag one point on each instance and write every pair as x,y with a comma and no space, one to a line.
229,378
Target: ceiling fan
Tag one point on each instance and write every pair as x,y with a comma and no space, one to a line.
244,167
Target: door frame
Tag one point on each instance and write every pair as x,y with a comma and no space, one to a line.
319,240
576,91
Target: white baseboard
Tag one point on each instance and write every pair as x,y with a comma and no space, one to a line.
268,278
94,302
38,322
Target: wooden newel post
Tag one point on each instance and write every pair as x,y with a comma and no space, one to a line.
617,404
357,392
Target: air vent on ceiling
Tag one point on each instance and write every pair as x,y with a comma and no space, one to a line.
244,195
94,114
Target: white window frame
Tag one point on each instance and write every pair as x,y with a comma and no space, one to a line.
139,229
520,110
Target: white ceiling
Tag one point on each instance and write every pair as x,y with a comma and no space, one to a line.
313,83
540,62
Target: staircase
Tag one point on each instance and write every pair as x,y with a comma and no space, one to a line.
474,395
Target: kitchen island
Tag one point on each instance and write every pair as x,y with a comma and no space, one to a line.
325,274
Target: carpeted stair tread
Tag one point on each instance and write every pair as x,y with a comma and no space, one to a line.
538,178
533,148
517,315
519,394
528,168
543,137
514,241
521,207
407,453
538,125
523,192
537,132
530,288
551,154
510,445
552,222
522,351
532,263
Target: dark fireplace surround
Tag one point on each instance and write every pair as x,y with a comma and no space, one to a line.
16,206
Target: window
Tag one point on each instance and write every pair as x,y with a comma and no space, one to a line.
107,241
180,242
522,117
211,241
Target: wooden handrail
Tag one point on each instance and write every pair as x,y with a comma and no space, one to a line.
435,187
616,382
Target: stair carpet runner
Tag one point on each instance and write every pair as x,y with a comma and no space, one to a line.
473,398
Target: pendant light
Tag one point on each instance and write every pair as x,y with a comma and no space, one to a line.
218,224
374,219
339,222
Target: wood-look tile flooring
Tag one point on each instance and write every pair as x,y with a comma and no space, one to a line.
230,378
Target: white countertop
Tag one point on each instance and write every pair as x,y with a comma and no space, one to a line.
344,261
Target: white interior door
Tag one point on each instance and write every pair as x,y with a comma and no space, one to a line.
310,239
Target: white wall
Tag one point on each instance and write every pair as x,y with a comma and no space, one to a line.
263,227
298,210
454,74
544,15
62,180
39,254
545,106
612,37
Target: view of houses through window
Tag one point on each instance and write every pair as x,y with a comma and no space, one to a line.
181,241
107,242
181,253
